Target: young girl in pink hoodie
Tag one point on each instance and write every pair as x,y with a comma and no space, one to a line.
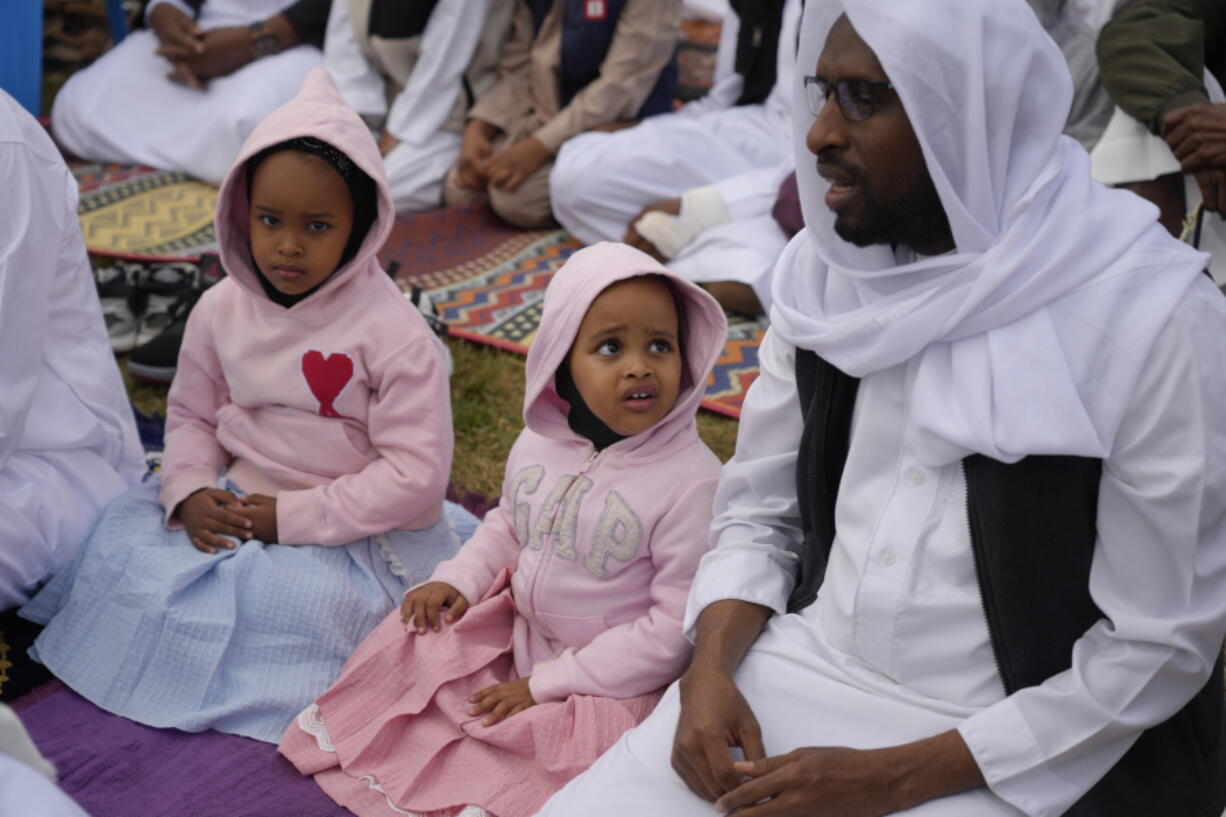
564,610
308,446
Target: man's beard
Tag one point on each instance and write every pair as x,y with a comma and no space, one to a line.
917,221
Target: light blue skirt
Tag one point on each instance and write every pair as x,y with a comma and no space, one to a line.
146,626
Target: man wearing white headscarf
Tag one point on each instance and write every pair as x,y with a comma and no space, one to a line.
970,556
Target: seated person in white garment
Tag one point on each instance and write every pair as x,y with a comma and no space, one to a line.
970,555
27,779
184,94
709,172
412,71
68,441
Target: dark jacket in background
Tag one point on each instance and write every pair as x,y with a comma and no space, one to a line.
1153,55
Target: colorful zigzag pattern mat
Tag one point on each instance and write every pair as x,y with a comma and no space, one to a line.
488,282
144,214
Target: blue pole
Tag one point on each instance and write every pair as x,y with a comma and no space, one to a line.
21,51
116,20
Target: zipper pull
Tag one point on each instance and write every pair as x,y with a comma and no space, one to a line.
590,461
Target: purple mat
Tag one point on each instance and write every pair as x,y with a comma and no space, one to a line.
116,768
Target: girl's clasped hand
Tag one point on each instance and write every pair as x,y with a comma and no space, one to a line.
211,514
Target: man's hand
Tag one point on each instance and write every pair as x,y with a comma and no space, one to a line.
509,167
1197,136
180,40
224,51
670,207
387,143
261,512
421,605
475,147
504,700
714,714
853,782
845,782
178,35
211,513
714,717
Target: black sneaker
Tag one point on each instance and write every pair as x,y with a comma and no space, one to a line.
421,299
122,302
156,360
163,286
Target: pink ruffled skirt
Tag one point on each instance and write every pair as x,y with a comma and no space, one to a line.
392,735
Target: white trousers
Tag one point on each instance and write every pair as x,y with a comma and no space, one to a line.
798,702
123,108
603,180
48,505
416,172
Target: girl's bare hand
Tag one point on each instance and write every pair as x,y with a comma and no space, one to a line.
260,511
502,701
211,513
421,605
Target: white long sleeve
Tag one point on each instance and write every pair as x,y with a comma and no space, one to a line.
757,518
447,46
359,82
31,239
1158,575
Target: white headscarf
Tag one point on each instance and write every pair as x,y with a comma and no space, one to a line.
1032,333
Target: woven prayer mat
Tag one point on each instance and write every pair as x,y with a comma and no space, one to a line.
143,214
114,767
488,282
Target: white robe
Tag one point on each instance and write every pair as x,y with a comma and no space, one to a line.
68,441
123,108
416,117
603,180
896,647
27,780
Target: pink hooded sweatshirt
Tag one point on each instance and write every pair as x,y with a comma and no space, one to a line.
339,406
604,545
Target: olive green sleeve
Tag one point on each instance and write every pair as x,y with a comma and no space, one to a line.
1152,56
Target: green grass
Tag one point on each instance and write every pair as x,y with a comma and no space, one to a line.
487,397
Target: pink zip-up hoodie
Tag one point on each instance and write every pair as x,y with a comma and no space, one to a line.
339,406
604,545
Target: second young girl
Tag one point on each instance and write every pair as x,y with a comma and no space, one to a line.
308,445
554,628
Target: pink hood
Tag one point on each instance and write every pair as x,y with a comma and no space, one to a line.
317,111
588,273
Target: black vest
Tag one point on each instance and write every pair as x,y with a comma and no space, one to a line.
1032,528
585,42
396,19
757,47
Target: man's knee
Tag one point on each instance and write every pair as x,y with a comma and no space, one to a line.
456,196
527,206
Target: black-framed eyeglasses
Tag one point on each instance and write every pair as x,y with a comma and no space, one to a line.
856,97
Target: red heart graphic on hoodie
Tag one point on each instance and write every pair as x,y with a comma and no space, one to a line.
327,378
